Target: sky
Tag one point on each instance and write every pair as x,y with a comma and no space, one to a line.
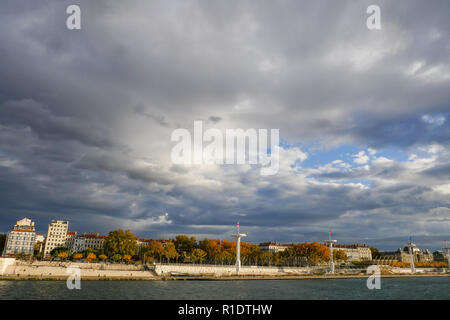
86,118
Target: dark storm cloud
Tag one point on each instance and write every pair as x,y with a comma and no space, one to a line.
86,116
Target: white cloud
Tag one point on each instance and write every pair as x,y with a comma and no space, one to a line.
361,158
437,120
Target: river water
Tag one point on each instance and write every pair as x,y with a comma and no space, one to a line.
391,288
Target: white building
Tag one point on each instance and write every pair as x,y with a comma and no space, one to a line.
273,247
56,236
21,239
355,252
39,238
86,241
70,239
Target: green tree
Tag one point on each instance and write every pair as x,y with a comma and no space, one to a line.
198,255
375,252
170,251
36,249
340,255
121,242
185,244
116,257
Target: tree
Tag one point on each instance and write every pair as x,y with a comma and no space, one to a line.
153,249
127,258
228,254
121,242
63,255
77,256
116,257
36,250
290,255
248,252
90,250
375,252
102,257
185,244
198,255
91,257
212,248
340,255
55,252
317,253
170,252
314,253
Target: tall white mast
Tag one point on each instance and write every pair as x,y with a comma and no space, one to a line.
447,248
330,243
410,247
238,236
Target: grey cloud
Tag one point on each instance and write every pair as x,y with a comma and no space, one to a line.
85,116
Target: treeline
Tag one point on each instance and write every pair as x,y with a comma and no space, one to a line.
421,264
122,245
184,249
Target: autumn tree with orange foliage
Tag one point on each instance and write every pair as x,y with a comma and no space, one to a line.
91,257
77,256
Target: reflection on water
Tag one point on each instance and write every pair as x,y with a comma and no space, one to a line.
391,288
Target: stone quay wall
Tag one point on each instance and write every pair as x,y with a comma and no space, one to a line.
45,269
5,263
224,270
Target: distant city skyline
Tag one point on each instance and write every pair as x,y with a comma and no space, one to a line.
433,243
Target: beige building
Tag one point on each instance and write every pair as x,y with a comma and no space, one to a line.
56,236
21,239
273,247
355,252
403,255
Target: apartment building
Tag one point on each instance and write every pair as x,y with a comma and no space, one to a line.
70,239
355,252
273,247
85,241
56,236
21,239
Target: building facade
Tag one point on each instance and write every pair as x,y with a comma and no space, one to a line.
21,239
56,236
273,247
440,256
403,255
86,241
70,239
355,252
